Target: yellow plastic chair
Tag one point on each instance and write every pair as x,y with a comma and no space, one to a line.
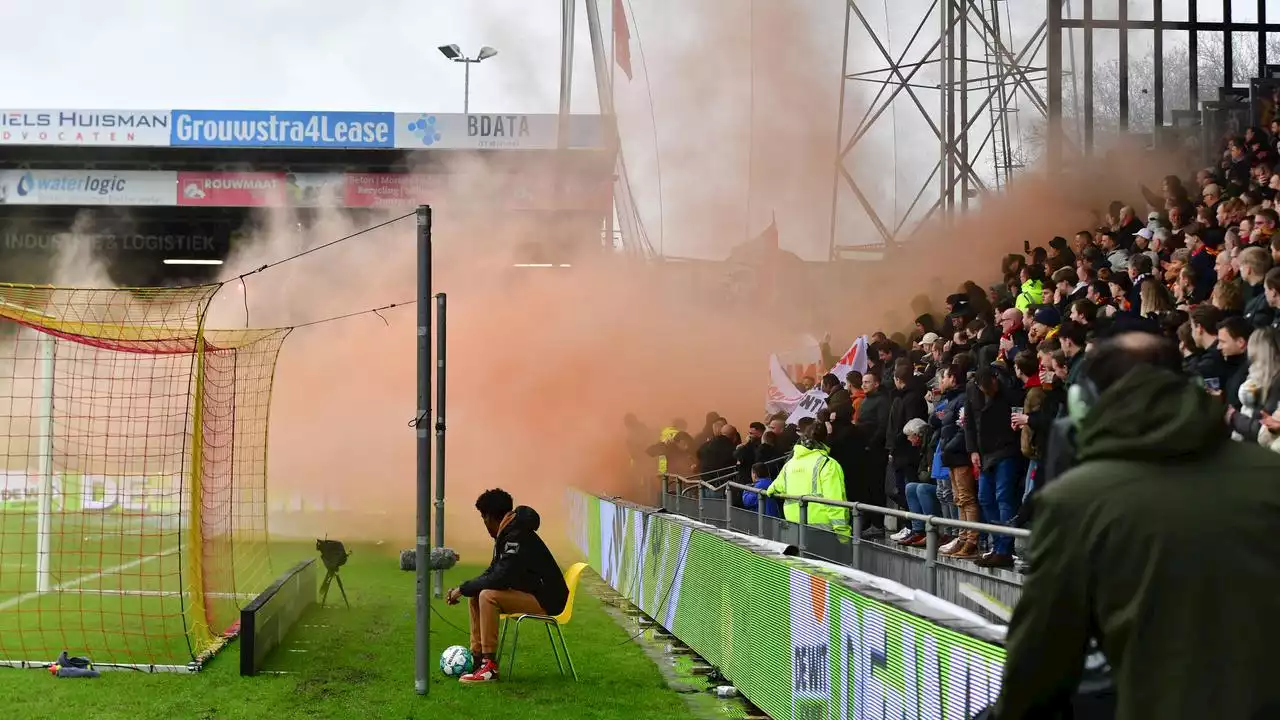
571,577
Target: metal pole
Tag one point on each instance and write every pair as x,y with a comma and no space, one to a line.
466,87
567,22
440,429
1055,85
422,423
604,89
804,520
839,158
728,508
931,557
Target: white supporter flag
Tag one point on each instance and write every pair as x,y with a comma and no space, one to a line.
855,358
783,394
812,403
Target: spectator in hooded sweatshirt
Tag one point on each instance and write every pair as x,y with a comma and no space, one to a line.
873,425
904,456
1118,556
995,448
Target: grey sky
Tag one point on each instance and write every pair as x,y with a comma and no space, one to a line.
282,54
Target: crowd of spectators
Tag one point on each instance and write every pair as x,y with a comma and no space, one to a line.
953,419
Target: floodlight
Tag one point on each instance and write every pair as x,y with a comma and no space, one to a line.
487,52
453,52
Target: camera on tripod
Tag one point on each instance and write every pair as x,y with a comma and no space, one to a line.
334,555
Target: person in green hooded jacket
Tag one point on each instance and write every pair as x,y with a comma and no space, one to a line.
1159,544
812,472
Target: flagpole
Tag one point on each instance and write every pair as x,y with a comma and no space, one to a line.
613,50
751,109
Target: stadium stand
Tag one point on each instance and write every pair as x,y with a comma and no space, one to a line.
952,418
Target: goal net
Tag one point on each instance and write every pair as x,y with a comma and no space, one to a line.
133,490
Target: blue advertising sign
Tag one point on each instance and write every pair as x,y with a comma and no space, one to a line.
288,129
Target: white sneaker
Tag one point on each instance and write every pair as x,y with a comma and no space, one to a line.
951,547
901,535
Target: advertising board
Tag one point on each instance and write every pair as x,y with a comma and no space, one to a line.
231,189
296,129
281,129
393,189
142,128
797,640
88,187
476,131
535,189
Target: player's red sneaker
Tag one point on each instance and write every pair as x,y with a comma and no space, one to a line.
487,672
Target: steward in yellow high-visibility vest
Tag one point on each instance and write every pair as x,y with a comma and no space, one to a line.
812,472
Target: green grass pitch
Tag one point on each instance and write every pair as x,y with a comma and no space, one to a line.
360,664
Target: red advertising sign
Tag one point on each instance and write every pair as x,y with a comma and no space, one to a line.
231,189
394,190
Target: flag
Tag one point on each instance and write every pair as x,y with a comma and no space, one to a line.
621,39
855,358
768,240
811,403
783,394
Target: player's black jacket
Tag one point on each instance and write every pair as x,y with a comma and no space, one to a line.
521,561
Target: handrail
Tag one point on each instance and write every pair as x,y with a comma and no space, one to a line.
719,472
862,508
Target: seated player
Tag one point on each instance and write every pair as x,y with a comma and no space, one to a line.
522,579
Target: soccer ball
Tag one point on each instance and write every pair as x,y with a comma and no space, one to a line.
456,661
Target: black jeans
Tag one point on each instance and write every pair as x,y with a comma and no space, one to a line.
873,485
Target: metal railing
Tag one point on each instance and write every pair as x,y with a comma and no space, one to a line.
921,568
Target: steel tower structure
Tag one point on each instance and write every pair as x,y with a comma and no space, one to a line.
1000,84
963,75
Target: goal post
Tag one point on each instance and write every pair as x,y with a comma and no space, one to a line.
44,461
133,504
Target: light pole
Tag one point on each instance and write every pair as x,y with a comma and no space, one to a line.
455,54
